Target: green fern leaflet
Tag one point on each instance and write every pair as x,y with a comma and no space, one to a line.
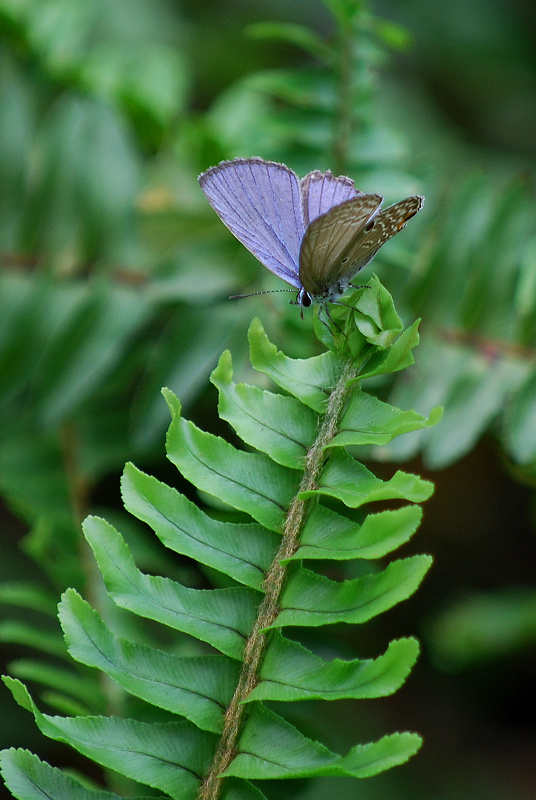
294,494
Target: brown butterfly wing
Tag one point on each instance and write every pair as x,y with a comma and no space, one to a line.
338,260
382,228
329,236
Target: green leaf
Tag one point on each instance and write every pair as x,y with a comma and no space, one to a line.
353,484
330,535
84,348
170,756
277,425
52,24
236,789
368,420
151,78
376,317
198,688
520,422
181,357
305,88
484,627
310,380
474,284
28,777
302,37
66,705
291,672
475,398
250,482
397,357
24,633
525,294
28,595
393,35
222,617
242,551
366,760
313,600
87,692
98,220
24,308
272,748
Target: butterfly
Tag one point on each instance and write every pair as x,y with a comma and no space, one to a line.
315,233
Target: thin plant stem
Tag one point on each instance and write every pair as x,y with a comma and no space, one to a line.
345,120
257,642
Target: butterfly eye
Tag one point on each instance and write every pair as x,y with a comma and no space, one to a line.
370,226
304,299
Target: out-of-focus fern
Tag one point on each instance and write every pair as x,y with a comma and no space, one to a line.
321,114
474,284
100,293
89,333
473,281
297,495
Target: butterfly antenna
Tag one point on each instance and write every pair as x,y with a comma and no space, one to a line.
254,294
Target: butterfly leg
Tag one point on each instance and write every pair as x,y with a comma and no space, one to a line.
326,309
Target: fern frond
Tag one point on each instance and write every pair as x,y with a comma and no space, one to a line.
474,285
298,494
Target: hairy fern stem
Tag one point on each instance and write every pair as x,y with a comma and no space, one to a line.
273,584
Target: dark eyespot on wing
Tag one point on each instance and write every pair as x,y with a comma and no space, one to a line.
379,230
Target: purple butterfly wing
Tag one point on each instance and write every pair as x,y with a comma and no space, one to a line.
259,201
320,191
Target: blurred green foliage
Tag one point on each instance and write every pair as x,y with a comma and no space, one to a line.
112,264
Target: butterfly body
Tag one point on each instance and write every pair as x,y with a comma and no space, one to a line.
315,233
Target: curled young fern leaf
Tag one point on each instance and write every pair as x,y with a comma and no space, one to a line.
298,491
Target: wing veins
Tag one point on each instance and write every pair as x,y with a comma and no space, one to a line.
262,237
267,226
322,224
